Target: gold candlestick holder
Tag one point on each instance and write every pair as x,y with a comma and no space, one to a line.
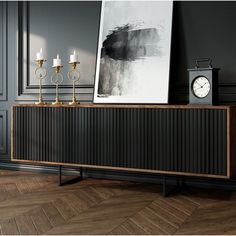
74,76
57,79
40,74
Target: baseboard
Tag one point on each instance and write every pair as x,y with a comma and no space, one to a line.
124,175
43,169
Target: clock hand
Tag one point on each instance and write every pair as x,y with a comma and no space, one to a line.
201,86
198,84
198,88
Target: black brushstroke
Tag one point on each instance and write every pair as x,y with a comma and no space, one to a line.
124,43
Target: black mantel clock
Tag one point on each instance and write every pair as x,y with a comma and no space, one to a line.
203,84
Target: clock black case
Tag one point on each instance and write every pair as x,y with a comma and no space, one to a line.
212,76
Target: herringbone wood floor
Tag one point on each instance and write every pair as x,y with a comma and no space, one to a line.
33,204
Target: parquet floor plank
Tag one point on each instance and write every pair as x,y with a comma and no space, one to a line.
11,190
25,225
133,228
87,228
92,195
76,203
40,220
120,231
64,208
167,215
147,225
180,206
170,209
53,215
23,187
3,195
103,192
9,227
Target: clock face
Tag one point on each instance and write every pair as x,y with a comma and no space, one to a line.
201,87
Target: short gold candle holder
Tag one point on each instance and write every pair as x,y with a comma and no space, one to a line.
57,79
40,74
74,76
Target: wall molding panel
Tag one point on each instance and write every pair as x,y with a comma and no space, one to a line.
3,53
28,91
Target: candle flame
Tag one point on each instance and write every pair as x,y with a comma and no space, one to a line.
41,50
57,56
74,52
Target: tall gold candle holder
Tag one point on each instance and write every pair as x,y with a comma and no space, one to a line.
57,79
74,76
40,74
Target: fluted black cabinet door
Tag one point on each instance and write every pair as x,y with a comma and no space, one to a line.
178,140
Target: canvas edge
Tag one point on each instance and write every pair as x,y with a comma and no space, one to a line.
99,44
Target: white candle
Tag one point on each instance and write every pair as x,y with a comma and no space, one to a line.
73,57
57,61
39,55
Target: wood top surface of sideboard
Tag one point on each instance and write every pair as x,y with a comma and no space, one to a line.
154,106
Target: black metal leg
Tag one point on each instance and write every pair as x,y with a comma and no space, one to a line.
164,186
81,172
71,181
177,181
60,175
180,185
183,183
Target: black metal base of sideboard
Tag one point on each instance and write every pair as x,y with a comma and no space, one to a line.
71,181
166,190
180,186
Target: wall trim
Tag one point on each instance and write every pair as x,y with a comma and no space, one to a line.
4,41
226,93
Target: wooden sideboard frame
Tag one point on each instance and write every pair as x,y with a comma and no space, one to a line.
231,139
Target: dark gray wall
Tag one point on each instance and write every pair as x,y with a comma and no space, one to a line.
204,29
200,29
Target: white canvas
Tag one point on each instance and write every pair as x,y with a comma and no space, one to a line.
133,52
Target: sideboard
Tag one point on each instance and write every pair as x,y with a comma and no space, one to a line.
184,140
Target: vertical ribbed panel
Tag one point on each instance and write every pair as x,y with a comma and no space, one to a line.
182,140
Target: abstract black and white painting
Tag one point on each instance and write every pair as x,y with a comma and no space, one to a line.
133,52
